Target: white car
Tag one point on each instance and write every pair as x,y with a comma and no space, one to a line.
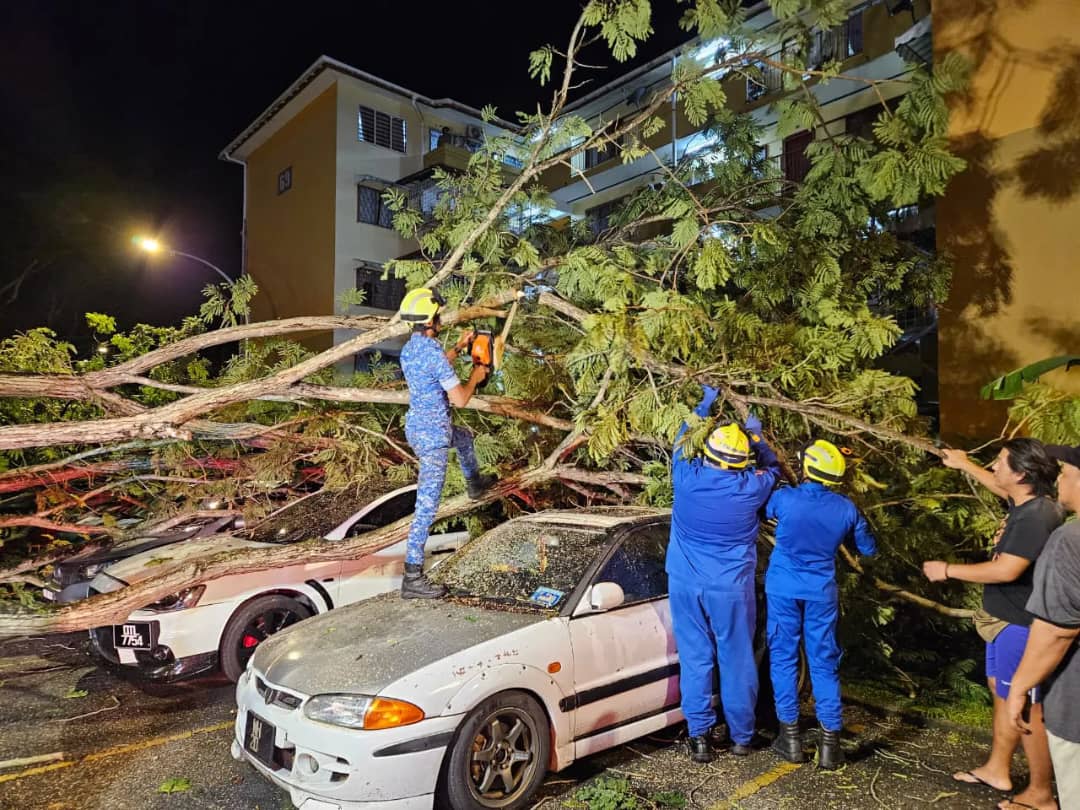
220,623
555,643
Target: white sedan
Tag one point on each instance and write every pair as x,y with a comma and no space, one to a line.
556,642
220,623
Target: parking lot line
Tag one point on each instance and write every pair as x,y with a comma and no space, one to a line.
115,750
749,788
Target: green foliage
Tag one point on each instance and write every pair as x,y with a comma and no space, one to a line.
175,784
607,793
724,273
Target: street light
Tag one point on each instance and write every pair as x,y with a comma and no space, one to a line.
151,245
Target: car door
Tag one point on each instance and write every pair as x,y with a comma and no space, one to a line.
381,571
626,672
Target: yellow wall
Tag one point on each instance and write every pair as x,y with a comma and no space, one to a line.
290,236
1012,220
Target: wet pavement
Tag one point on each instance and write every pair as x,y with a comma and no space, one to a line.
118,744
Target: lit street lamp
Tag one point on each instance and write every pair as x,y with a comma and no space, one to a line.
151,245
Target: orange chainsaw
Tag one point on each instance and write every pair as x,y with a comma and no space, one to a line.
487,349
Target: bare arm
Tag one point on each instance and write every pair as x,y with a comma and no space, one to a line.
958,460
1046,647
1003,568
460,395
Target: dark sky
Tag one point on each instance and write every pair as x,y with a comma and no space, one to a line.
115,111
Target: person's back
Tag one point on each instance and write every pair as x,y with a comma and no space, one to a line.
715,520
711,558
812,523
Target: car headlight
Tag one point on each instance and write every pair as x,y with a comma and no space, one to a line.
187,598
362,711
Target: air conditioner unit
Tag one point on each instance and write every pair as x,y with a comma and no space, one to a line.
474,132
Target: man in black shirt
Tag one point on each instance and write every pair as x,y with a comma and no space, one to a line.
1024,475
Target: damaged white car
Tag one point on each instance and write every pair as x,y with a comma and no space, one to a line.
556,642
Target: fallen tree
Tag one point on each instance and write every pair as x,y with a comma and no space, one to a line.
782,295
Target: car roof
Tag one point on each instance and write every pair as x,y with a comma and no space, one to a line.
597,517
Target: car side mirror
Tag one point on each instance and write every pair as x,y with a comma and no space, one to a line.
606,596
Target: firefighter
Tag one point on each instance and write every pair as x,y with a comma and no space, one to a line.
433,387
802,599
711,561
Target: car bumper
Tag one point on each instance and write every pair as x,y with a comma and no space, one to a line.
325,767
162,666
185,642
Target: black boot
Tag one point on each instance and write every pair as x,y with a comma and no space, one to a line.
415,585
700,750
719,738
830,754
788,743
479,485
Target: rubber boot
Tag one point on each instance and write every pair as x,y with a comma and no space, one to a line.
719,738
479,485
788,743
414,585
700,750
830,754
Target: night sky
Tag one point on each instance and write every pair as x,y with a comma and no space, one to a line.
115,111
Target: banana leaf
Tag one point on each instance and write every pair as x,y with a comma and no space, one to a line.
1011,384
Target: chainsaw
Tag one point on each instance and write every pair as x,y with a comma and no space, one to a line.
487,348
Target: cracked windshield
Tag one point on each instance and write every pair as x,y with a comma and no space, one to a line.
526,563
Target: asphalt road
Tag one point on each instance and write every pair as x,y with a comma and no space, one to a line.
115,746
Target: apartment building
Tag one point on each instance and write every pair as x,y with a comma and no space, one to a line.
316,163
317,159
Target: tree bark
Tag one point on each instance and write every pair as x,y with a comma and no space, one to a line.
111,608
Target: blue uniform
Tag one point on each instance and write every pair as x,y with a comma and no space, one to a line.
800,587
711,558
429,432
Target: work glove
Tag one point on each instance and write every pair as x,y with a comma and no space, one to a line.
708,395
753,427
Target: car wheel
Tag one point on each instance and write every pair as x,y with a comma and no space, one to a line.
499,756
254,623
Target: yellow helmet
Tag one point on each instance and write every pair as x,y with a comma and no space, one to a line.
420,306
823,462
728,446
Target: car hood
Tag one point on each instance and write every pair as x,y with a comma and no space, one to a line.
147,563
363,648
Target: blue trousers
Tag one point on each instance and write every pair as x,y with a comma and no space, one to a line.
434,456
815,623
715,627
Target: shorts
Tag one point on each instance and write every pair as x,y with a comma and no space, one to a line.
1003,656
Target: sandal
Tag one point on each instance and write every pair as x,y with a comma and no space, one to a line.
976,781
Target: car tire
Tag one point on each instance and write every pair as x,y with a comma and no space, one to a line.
253,623
479,771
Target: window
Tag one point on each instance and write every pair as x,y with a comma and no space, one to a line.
637,565
371,208
600,216
381,129
607,151
284,180
861,122
385,513
379,293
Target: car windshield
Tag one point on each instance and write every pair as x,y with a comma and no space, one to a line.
312,516
529,563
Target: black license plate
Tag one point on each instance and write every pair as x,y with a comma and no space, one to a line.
259,739
132,636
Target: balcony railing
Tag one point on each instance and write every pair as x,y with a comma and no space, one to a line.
470,145
834,44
